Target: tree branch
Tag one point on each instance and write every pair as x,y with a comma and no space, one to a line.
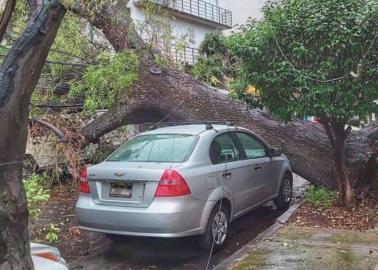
116,24
6,16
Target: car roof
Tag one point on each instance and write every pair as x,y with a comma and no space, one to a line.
188,129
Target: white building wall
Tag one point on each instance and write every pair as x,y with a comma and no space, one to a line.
241,11
180,26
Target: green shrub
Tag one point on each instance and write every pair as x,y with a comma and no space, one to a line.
35,193
210,70
107,82
213,44
320,196
52,233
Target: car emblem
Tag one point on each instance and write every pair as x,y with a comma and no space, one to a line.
119,173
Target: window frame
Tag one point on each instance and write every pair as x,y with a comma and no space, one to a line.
242,148
235,147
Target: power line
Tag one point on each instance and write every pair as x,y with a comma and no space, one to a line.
223,179
320,80
298,71
11,163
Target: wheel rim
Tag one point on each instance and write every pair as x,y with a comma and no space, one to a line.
287,190
220,227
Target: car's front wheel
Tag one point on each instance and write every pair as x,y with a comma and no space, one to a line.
285,194
216,229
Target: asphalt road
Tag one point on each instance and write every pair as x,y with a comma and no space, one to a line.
148,253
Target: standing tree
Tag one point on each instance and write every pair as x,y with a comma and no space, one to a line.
19,73
315,58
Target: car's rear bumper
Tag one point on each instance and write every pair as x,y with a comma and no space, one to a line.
165,217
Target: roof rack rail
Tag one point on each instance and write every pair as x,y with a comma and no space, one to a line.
209,124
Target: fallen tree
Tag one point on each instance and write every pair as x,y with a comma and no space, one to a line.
169,95
174,96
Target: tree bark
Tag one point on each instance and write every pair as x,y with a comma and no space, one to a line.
344,187
19,74
6,16
174,96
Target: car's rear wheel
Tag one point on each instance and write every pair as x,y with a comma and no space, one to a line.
286,193
217,229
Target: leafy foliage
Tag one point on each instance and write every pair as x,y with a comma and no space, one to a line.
35,193
108,81
52,233
214,64
301,55
214,43
320,196
72,44
159,32
209,69
77,45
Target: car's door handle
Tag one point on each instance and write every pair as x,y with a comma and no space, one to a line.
227,174
258,168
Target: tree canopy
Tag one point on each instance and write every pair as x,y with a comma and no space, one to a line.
317,58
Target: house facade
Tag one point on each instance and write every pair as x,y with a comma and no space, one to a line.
194,19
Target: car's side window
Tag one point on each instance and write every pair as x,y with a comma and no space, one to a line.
222,150
253,147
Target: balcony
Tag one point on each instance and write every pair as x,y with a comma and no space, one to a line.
187,56
198,10
181,55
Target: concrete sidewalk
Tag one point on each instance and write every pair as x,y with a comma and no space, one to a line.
298,248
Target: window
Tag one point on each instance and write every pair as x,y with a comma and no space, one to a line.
222,150
156,148
253,147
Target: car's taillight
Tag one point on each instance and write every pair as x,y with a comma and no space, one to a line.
172,184
48,256
84,185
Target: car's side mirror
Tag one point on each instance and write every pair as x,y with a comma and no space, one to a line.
275,152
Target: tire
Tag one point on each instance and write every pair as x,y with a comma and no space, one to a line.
219,234
285,194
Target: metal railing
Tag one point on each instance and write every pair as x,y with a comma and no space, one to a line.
186,56
199,8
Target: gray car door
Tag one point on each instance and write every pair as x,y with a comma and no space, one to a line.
228,167
258,169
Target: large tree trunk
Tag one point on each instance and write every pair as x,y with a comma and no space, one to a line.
19,74
174,95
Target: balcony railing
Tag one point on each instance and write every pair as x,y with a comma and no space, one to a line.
186,56
199,9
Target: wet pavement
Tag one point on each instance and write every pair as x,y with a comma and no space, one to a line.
152,253
313,248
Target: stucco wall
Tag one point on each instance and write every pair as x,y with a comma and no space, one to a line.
180,26
241,10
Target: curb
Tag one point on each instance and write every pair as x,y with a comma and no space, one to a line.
244,250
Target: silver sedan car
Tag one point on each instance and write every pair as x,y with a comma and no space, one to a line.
180,181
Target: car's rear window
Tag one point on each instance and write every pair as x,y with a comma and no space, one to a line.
175,148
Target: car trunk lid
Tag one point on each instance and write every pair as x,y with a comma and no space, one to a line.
128,184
